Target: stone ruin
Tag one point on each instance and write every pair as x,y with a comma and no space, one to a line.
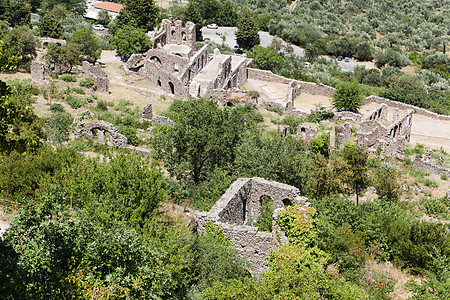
100,128
178,68
147,115
38,71
83,115
426,163
240,206
46,40
306,133
107,134
99,76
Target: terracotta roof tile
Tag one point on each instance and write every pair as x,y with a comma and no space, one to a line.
109,6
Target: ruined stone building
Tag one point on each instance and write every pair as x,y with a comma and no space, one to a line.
240,206
176,66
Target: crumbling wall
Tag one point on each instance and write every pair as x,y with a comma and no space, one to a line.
294,90
380,113
95,72
306,87
348,116
342,135
306,133
46,40
404,106
239,206
430,167
147,112
38,70
174,33
86,128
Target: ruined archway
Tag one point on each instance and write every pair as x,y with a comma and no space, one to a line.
99,129
172,88
156,59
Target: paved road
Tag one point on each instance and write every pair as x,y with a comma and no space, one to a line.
266,40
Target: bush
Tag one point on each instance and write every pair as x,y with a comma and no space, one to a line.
57,108
91,98
275,110
74,102
87,83
78,90
320,144
444,177
102,105
68,78
292,121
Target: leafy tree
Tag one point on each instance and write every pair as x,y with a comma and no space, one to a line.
22,42
208,9
75,6
15,12
273,157
247,33
87,43
131,40
50,26
227,15
103,17
386,182
192,14
342,47
320,144
364,51
142,12
357,177
266,58
391,57
58,127
347,97
62,57
203,137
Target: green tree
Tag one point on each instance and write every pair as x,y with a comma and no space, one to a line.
357,178
320,145
88,44
266,58
203,137
103,17
62,57
347,97
75,6
342,47
22,42
192,14
142,12
130,40
50,26
386,182
58,127
227,15
16,12
392,57
247,33
274,158
364,51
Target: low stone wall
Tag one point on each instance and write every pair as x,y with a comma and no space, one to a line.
306,87
163,120
348,116
430,167
95,72
85,128
400,105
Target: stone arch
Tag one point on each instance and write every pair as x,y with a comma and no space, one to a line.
172,88
174,35
229,103
99,128
183,36
156,59
286,202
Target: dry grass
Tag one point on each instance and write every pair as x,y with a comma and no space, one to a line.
400,291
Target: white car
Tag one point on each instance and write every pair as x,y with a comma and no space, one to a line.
212,26
99,27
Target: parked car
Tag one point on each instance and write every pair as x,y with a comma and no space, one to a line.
347,59
99,27
212,26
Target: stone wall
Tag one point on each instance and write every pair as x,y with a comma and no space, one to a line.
306,87
342,135
306,133
38,70
97,74
173,32
46,40
147,112
86,128
348,116
404,106
430,167
163,120
240,206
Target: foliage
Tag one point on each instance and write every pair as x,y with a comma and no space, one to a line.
50,26
15,12
320,144
130,40
142,12
58,127
56,108
347,97
68,78
298,222
20,41
292,121
192,14
274,158
386,183
203,137
264,222
357,158
74,102
103,17
61,57
87,43
75,6
247,34
266,58
391,57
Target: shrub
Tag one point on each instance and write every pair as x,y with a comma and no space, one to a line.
78,90
91,98
275,110
57,108
320,144
68,78
264,222
292,121
430,183
87,83
444,177
74,102
102,105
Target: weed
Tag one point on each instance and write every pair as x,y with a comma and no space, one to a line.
74,102
68,78
87,83
57,108
275,110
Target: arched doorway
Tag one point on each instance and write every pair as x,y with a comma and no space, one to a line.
172,88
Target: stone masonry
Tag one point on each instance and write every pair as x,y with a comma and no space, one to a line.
240,206
89,128
95,72
38,70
